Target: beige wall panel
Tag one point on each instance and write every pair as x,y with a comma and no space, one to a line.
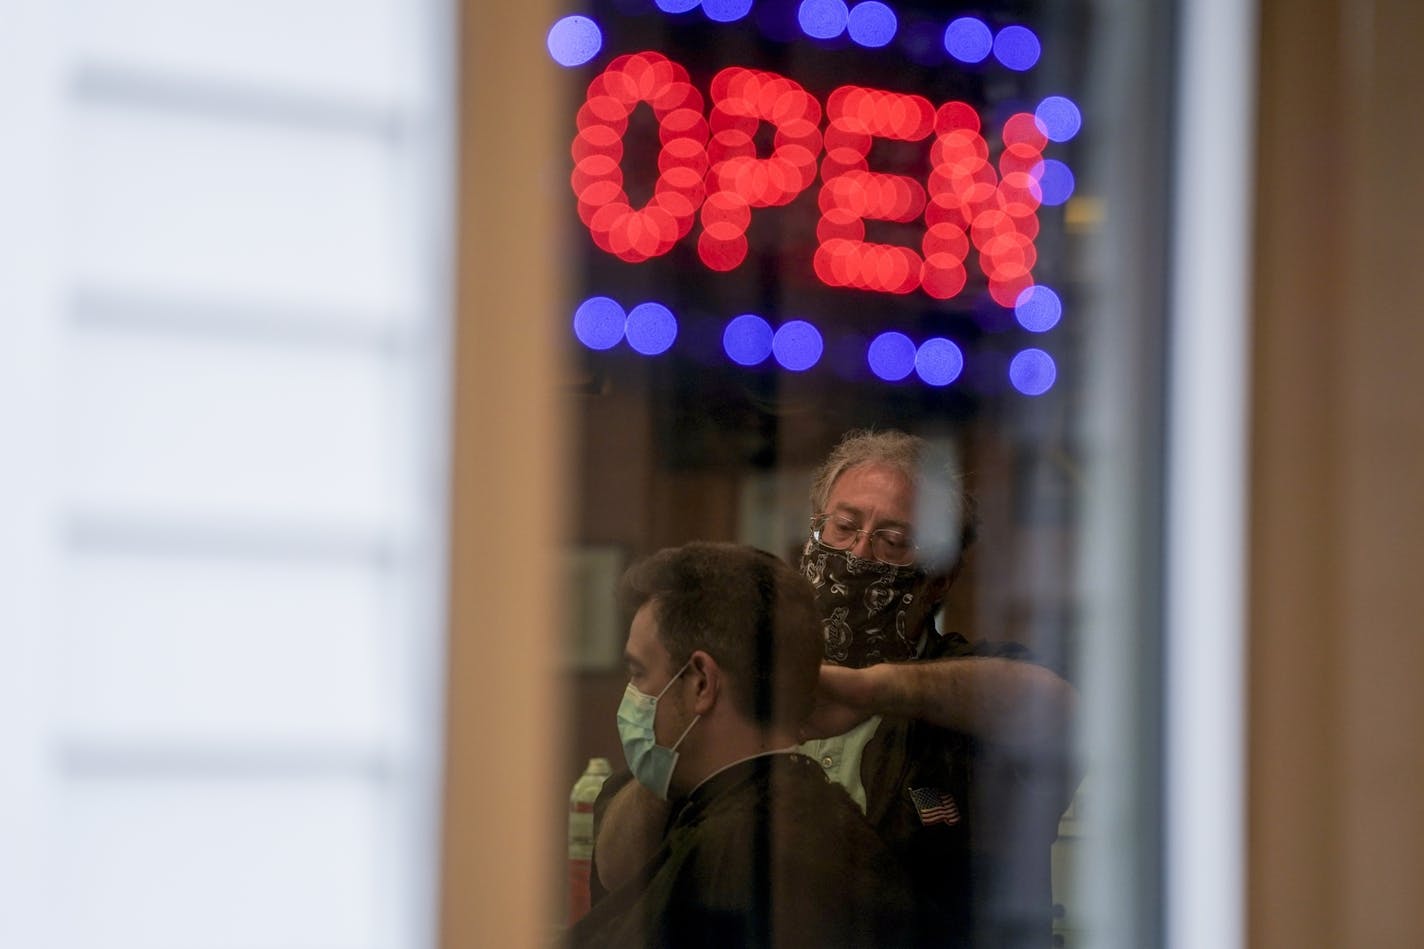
1291,834
1336,832
1382,804
504,710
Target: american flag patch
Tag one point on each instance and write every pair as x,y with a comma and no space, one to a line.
934,806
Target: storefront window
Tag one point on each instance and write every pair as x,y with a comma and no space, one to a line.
790,221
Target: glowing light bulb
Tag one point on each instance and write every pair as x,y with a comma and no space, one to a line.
939,361
651,328
574,40
599,323
797,345
747,340
871,24
1038,309
1017,48
1032,372
891,356
726,11
822,19
1055,180
968,40
1059,118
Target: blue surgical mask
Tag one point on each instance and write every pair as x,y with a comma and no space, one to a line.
651,763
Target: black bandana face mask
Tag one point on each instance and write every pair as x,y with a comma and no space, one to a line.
872,612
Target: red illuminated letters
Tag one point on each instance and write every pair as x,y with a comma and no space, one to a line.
851,193
738,180
637,234
708,168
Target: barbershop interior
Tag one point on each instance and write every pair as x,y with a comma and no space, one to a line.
353,351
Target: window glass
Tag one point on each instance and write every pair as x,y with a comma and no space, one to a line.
790,221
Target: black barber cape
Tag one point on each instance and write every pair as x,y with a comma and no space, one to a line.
767,853
972,823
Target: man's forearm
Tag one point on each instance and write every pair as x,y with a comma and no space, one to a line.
629,834
1004,701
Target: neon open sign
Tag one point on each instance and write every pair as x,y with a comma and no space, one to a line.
950,209
709,172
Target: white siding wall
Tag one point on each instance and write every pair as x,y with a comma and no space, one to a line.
223,260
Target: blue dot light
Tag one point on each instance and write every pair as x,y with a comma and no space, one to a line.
1055,181
726,11
599,323
968,40
574,40
1038,309
797,345
939,361
1059,118
677,6
747,340
891,356
1017,48
872,24
651,328
1032,372
822,19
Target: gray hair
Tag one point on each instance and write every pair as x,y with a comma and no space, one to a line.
908,454
891,448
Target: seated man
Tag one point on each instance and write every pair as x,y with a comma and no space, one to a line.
759,848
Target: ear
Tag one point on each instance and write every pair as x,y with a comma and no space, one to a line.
937,587
705,677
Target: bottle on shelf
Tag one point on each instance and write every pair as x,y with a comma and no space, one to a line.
585,792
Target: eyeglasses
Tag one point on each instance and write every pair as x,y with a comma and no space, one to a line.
886,544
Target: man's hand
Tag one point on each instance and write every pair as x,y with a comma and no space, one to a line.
842,702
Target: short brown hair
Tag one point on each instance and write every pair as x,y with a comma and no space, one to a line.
745,608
